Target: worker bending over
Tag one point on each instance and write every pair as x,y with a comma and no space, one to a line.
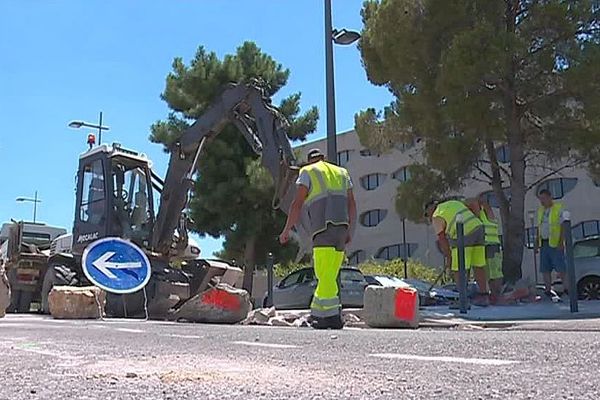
326,190
493,254
443,217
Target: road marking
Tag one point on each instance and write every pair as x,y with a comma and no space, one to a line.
129,330
271,345
479,361
183,336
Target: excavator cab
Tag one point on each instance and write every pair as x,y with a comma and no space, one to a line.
114,197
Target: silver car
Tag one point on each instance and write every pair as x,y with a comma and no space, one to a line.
586,253
295,291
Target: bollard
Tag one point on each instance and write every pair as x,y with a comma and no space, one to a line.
270,280
572,284
462,271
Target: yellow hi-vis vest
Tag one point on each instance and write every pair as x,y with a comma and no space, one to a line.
327,200
492,235
553,222
473,227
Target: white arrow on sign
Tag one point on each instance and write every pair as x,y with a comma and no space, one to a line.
103,264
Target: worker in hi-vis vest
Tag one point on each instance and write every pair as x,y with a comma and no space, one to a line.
443,216
493,252
551,240
326,191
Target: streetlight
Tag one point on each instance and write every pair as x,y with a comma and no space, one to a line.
342,37
100,127
35,202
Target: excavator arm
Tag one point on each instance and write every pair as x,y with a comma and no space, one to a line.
262,125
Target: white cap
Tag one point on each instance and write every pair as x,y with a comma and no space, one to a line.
566,215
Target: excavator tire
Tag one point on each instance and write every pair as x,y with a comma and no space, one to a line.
56,275
20,300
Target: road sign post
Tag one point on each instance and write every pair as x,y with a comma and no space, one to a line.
571,281
116,265
270,280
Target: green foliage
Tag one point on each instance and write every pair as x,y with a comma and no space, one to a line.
233,193
395,268
470,75
284,269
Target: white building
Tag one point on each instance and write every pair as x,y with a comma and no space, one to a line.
379,229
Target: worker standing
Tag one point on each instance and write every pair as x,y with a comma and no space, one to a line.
4,290
493,254
443,216
551,240
326,190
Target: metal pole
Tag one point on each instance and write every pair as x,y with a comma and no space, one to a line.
331,139
535,247
100,130
270,280
405,249
572,284
35,201
462,272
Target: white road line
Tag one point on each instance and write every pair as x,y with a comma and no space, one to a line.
183,336
271,345
129,330
479,361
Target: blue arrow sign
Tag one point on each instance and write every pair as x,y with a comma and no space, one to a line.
116,265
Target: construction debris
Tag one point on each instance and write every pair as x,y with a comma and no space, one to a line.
4,291
68,302
222,304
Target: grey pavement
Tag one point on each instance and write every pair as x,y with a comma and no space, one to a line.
43,358
524,311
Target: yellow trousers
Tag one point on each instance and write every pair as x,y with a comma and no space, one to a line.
328,262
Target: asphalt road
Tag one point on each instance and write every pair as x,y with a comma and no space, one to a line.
41,358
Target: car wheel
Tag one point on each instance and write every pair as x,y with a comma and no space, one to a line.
589,288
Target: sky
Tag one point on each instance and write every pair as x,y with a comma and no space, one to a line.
70,59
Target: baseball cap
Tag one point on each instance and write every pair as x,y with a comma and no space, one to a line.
314,153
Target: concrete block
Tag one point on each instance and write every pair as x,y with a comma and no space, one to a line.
391,307
222,304
68,302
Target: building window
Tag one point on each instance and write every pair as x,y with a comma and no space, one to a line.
396,251
586,229
372,217
366,153
490,197
372,181
530,237
343,157
357,257
503,153
402,175
558,187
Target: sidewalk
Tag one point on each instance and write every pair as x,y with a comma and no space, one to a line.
520,312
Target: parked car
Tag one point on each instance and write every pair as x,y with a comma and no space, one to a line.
295,291
586,253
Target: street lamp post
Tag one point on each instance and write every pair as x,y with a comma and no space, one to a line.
35,202
99,126
405,248
531,215
341,37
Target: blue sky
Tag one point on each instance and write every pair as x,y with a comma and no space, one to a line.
70,59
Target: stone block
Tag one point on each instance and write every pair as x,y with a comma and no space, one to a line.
69,302
4,292
222,304
391,307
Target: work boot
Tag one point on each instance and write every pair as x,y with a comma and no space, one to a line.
327,323
481,300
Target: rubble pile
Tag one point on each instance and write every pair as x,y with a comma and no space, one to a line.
296,319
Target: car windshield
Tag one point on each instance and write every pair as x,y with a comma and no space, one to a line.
351,275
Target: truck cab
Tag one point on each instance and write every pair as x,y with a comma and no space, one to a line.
24,251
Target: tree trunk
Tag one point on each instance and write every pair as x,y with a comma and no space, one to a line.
514,224
249,262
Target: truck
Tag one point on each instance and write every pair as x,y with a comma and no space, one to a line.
24,251
119,195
